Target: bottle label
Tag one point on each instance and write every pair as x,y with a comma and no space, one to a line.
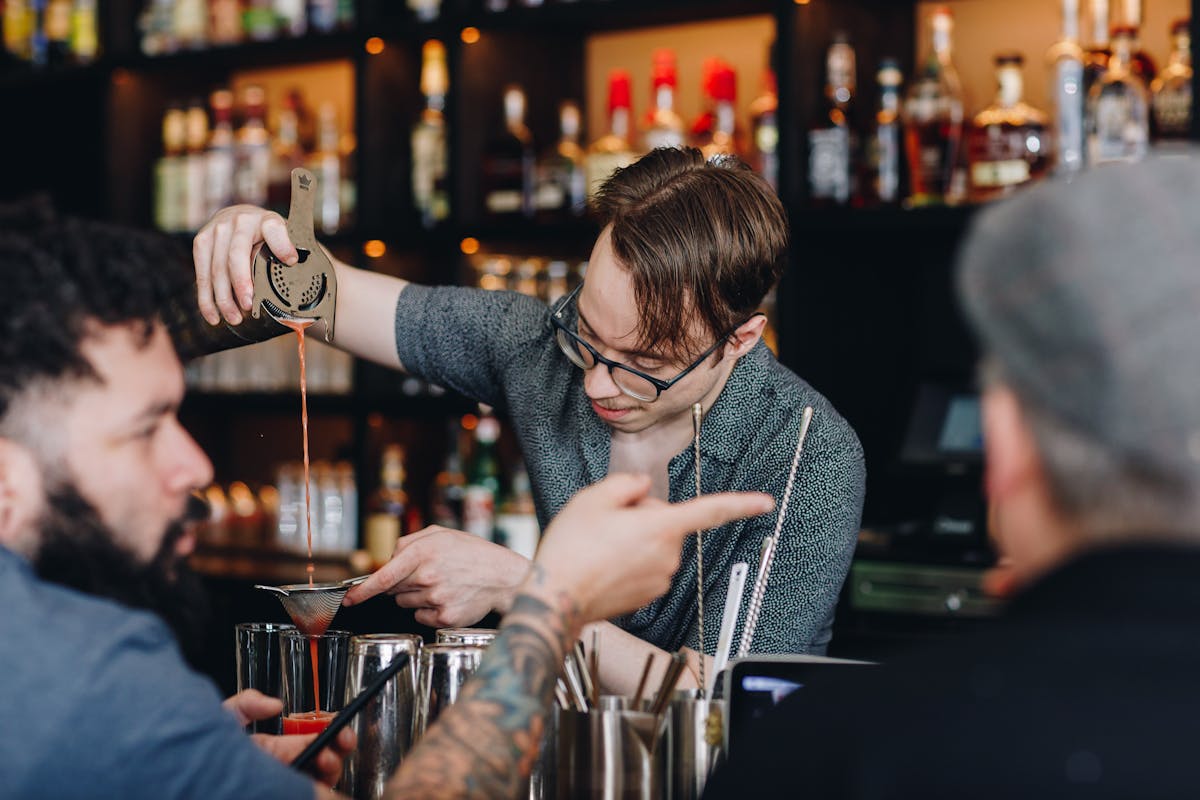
479,511
1173,112
992,174
887,143
829,163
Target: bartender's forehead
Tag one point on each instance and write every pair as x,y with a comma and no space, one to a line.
608,307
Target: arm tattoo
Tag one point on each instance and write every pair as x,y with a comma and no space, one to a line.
486,744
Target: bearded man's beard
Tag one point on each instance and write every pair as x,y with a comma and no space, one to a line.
77,550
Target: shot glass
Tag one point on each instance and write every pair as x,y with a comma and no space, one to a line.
314,678
259,665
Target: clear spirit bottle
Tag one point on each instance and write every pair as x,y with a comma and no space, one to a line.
429,151
664,127
1007,145
1118,107
1066,58
1171,91
885,144
933,118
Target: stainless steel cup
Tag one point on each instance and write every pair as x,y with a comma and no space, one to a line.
609,755
479,636
691,744
385,724
444,669
259,666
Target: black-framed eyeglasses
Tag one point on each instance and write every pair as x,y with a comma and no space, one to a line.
630,381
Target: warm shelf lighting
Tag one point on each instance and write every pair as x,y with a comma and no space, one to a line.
121,77
469,246
374,248
470,422
470,35
802,2
374,45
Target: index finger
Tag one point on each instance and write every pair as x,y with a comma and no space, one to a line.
712,511
387,576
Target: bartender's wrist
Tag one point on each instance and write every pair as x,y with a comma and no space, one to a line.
515,572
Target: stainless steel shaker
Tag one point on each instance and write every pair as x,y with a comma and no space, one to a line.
444,670
692,746
385,725
609,755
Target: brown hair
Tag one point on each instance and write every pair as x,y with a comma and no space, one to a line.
703,239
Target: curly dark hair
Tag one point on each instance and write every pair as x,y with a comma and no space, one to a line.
61,274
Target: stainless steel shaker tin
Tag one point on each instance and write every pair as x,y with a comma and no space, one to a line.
444,670
479,636
385,726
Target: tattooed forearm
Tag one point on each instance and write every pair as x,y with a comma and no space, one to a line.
486,744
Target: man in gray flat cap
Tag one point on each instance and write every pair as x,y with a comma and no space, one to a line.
1086,301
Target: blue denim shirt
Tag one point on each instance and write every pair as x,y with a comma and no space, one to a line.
499,348
96,702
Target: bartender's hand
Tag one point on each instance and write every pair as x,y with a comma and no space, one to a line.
223,252
614,547
454,579
251,705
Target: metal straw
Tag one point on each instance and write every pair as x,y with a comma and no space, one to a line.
641,687
585,677
670,678
696,410
595,669
733,605
764,566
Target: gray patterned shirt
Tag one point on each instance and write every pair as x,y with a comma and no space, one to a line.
499,348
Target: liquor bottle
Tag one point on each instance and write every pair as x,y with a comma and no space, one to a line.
224,21
483,481
57,24
168,172
764,130
1067,60
1118,122
561,182
323,15
157,24
425,10
700,131
1129,15
195,207
516,521
327,165
885,144
429,151
1098,49
664,126
446,508
252,150
286,155
725,138
1171,91
612,151
85,40
387,506
258,20
17,24
830,138
220,159
1008,142
933,115
190,22
509,162
292,17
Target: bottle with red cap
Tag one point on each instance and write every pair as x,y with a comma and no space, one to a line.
724,137
612,150
664,126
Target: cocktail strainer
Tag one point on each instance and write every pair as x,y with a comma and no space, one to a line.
312,607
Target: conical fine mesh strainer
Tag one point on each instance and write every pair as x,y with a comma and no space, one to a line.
313,607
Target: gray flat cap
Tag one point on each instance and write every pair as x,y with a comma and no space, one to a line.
1088,295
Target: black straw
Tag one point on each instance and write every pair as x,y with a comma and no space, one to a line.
346,714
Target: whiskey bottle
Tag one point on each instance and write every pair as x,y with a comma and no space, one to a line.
252,149
1118,107
933,116
429,153
1007,144
830,146
509,163
664,127
611,151
387,507
1066,58
885,145
194,166
764,131
1171,91
561,182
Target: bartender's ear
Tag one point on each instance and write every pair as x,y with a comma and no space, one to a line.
21,497
745,336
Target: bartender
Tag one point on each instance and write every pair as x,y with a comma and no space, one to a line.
605,382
